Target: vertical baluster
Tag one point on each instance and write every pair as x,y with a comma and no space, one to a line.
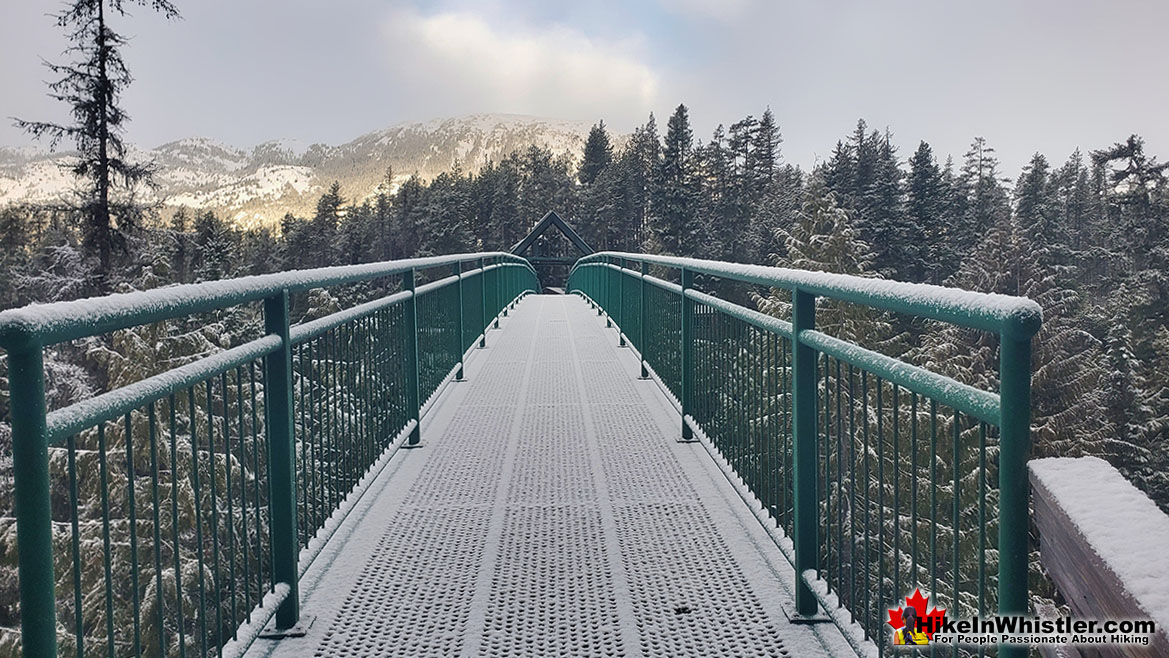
152,426
213,476
193,434
78,613
174,521
852,495
867,616
227,468
243,488
896,493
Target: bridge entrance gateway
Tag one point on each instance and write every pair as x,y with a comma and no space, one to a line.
552,513
551,257
724,485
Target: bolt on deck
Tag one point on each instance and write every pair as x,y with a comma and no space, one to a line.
552,513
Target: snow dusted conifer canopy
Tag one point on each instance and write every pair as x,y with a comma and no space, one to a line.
1015,317
47,324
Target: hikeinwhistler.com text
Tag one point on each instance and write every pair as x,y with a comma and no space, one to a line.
1010,630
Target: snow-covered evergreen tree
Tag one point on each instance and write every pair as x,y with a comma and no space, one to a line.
92,86
674,219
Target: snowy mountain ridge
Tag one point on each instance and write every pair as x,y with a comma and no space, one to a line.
257,186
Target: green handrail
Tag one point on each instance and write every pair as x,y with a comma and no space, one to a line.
279,431
801,417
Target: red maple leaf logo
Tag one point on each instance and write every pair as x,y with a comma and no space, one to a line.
928,622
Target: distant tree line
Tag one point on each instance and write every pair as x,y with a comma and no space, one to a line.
1087,239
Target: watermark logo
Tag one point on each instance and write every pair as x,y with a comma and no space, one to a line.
917,624
913,624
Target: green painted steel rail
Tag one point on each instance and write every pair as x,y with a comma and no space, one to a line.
216,481
845,447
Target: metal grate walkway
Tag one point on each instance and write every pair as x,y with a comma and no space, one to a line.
551,513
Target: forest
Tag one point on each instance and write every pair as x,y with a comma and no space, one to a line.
1087,239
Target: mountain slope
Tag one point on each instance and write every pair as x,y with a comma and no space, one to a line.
258,186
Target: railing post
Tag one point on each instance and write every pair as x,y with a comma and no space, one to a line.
598,281
483,302
496,293
1014,446
282,458
410,326
608,293
458,271
641,346
804,449
621,303
34,521
687,354
504,284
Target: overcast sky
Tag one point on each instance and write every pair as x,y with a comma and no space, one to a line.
1029,75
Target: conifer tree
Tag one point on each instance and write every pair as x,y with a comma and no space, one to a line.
408,212
92,86
925,214
880,218
720,197
1134,180
1066,365
641,160
445,228
823,238
598,154
674,225
764,155
984,201
324,227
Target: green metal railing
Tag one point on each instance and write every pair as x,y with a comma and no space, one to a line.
880,476
175,515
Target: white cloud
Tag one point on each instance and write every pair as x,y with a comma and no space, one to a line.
460,62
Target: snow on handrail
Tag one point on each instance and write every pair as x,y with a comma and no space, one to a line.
1016,317
47,324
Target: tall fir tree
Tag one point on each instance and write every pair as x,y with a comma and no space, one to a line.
675,217
925,214
92,86
641,160
598,154
880,216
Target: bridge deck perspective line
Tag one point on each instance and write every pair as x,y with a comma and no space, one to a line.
551,512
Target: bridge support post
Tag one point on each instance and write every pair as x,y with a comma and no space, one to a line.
806,506
641,347
462,347
34,520
1014,446
282,459
410,327
687,355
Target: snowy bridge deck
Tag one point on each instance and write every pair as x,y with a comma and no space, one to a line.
552,513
